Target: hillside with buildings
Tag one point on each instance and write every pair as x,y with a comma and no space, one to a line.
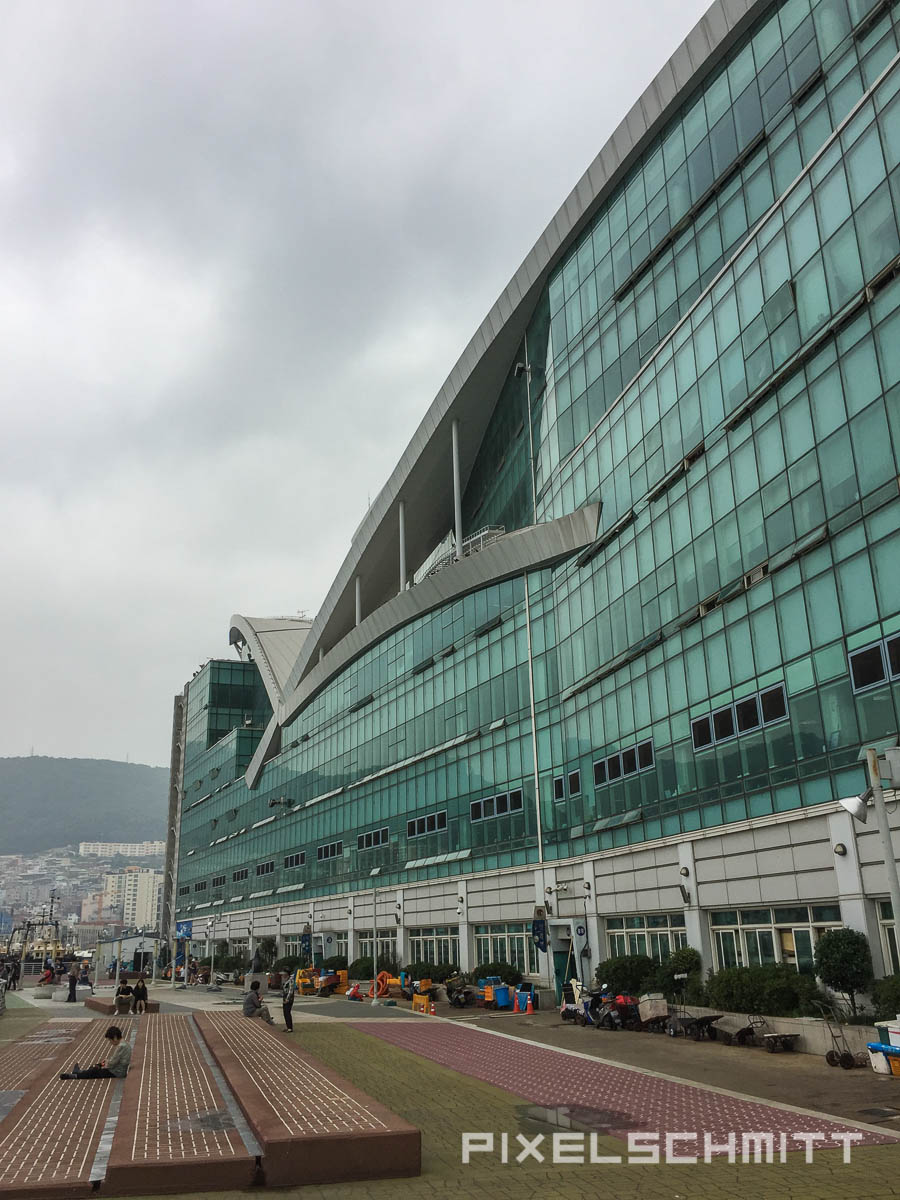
49,802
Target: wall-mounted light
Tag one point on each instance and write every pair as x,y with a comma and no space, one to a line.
460,899
587,885
349,912
840,849
459,911
684,872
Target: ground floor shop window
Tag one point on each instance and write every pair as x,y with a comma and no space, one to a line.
439,945
655,935
888,937
754,937
238,946
506,943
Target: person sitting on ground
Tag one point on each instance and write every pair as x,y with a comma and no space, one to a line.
124,992
84,979
114,1067
139,996
253,1005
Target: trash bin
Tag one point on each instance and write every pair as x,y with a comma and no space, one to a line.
501,996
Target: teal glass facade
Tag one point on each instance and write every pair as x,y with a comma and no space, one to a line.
716,362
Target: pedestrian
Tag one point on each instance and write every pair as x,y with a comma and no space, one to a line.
73,984
114,1067
288,989
139,996
253,1005
14,977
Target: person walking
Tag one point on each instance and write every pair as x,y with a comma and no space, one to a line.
73,984
288,990
14,975
114,1067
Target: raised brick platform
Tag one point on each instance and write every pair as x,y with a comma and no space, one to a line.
48,1144
174,1131
313,1126
101,1005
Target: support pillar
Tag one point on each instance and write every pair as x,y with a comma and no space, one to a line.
457,491
402,519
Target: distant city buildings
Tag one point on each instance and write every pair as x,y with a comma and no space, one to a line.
133,895
125,849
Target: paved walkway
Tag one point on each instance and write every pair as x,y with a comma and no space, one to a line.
70,1116
601,1095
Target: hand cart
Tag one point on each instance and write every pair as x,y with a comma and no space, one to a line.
840,1054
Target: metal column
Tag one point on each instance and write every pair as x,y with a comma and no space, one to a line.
402,517
457,491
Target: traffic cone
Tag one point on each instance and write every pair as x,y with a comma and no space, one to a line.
433,1013
529,1011
516,1002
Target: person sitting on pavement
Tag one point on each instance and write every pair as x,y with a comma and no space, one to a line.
84,979
139,996
114,1067
253,1005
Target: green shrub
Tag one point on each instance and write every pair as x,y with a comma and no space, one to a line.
438,972
631,974
288,964
337,962
361,968
775,990
886,997
508,973
685,961
844,962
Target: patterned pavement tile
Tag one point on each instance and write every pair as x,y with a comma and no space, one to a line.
625,1098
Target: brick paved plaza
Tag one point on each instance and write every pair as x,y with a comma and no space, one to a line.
446,1078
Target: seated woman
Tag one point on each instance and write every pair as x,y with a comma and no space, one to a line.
114,1067
139,996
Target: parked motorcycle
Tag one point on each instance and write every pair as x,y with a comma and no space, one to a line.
459,993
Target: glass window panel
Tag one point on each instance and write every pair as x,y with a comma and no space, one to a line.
773,705
867,667
723,724
747,714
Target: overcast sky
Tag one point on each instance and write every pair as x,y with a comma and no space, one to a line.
241,247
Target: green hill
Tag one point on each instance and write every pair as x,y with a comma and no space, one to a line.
47,802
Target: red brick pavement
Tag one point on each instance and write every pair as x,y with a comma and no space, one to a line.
173,1131
629,1099
48,1143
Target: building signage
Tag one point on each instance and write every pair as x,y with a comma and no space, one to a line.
539,934
184,929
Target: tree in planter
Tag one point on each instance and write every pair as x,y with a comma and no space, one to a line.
268,948
844,962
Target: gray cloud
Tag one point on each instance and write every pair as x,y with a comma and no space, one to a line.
243,246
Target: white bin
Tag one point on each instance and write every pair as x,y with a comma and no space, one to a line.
879,1061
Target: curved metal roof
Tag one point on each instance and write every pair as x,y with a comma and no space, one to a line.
275,643
423,477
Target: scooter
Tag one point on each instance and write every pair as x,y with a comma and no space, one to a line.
459,994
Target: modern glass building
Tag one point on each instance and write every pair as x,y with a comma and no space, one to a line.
614,632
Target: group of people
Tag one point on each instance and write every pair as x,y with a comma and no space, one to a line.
131,998
10,970
255,1006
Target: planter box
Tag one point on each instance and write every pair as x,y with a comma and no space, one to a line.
814,1036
